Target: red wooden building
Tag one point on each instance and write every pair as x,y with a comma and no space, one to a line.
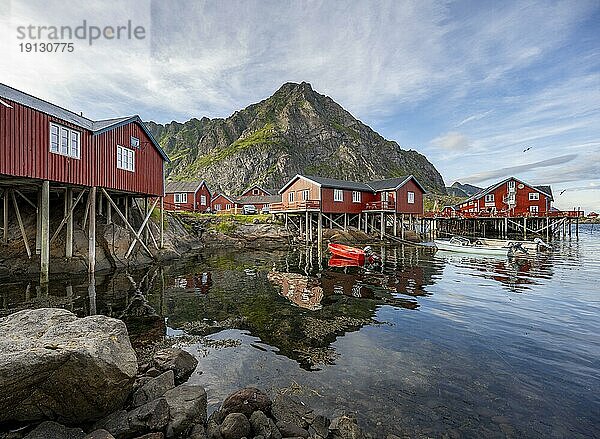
45,148
403,195
190,196
257,191
222,203
510,196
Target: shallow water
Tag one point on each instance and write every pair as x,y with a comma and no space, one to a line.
428,344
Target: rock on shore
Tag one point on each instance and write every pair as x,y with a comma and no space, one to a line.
54,365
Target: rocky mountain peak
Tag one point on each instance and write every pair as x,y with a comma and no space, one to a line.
295,131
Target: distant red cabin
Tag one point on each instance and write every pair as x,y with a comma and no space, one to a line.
42,141
222,203
401,195
510,196
190,196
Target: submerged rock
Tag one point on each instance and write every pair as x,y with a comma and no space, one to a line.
54,430
179,361
345,427
56,365
291,410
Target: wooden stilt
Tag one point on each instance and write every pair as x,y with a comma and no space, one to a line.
69,214
129,226
20,221
38,223
320,230
45,231
142,227
108,213
145,212
92,232
306,227
162,222
382,225
345,221
395,224
5,217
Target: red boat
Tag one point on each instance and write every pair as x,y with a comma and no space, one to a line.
345,251
336,261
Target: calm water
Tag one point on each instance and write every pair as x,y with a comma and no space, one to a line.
429,344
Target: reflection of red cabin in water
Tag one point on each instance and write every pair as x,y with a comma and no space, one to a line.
200,282
191,196
511,196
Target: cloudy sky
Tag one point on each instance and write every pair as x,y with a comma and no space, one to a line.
484,89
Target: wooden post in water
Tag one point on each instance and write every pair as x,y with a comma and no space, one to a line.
320,230
524,228
162,221
44,216
69,208
382,226
92,232
5,217
38,224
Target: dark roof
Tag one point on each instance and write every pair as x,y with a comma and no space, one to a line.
546,189
339,184
390,183
258,199
182,186
96,127
272,191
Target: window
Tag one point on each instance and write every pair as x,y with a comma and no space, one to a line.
217,207
291,197
534,196
227,206
511,185
203,200
411,197
534,209
135,142
180,198
338,195
64,141
125,158
255,192
305,194
355,197
489,198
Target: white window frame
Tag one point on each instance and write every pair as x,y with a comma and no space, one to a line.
291,197
202,200
134,142
305,195
534,209
228,207
356,196
410,197
338,195
255,192
72,147
180,198
125,158
512,184
489,198
534,196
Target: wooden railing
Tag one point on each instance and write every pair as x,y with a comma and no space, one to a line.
380,205
296,205
551,214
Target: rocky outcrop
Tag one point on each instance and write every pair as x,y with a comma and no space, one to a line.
54,365
295,131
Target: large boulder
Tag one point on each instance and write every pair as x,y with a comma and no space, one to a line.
153,388
182,363
58,366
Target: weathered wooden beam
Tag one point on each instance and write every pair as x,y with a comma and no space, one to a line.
20,221
69,216
142,227
92,232
38,224
69,207
129,226
5,217
162,222
45,232
148,229
31,203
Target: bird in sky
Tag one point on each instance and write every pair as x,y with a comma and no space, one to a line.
563,191
527,149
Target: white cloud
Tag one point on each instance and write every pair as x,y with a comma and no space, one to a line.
453,141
